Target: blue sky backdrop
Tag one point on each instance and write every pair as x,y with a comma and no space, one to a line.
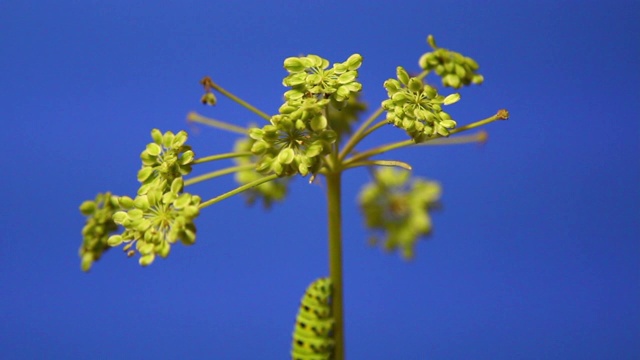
535,254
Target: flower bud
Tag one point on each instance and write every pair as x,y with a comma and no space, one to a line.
451,99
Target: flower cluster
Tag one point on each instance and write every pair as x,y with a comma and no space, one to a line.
160,215
99,226
269,192
398,209
417,107
454,68
287,150
164,160
156,220
300,134
310,75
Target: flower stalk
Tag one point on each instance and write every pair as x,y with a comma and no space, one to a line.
237,190
334,215
197,118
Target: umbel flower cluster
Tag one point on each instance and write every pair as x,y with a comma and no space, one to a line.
455,69
156,220
165,159
417,107
340,121
300,134
270,192
397,210
99,225
159,216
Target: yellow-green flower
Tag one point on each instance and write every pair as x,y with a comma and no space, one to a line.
164,160
269,192
396,209
155,220
286,149
99,226
310,75
455,69
417,107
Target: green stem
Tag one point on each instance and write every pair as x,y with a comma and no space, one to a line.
215,174
221,156
357,136
479,137
238,190
335,259
400,164
376,151
423,74
242,103
501,115
195,117
375,127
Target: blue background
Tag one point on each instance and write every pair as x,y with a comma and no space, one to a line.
535,255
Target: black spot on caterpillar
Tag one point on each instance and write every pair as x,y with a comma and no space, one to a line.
312,336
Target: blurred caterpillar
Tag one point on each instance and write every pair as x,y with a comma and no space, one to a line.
314,325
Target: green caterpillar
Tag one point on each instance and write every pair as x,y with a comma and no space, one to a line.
312,336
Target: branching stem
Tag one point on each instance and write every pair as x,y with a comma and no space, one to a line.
480,137
400,164
358,135
501,115
241,102
195,117
238,190
215,174
375,127
221,157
